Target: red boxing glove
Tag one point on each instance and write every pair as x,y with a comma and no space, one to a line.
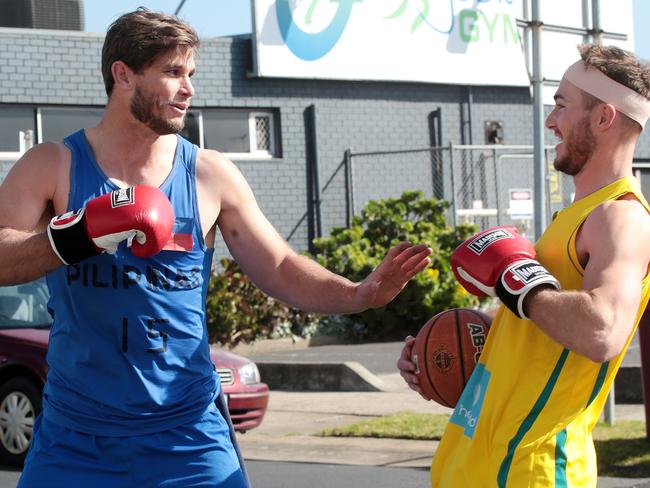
500,262
141,215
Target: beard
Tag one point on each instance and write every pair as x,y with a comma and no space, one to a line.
579,147
146,109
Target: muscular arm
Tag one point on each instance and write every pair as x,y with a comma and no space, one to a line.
281,272
26,198
597,321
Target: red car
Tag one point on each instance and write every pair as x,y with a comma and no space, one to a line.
24,335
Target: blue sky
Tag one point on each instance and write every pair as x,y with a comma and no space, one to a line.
641,34
226,17
209,17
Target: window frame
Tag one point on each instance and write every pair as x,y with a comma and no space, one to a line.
66,108
24,143
252,113
253,153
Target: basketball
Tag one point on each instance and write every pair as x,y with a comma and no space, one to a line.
446,351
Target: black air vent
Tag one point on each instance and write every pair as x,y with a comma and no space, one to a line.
43,14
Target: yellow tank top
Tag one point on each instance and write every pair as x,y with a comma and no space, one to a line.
526,415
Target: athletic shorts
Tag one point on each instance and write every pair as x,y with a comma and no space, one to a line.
199,454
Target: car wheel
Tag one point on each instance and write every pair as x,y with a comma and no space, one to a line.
20,403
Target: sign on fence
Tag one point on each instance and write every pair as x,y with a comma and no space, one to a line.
521,204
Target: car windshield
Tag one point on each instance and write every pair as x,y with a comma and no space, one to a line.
24,306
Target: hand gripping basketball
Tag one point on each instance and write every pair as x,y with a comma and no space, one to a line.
500,262
446,351
140,215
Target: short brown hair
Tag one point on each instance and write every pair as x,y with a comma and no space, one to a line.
139,37
619,65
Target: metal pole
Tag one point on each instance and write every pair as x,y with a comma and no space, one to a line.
586,21
470,106
610,407
538,124
595,19
349,192
353,209
316,171
180,6
497,183
597,34
644,348
453,186
435,136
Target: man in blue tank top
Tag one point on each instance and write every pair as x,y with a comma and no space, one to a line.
131,391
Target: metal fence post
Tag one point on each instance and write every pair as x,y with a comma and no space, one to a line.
349,188
497,182
610,407
644,348
453,185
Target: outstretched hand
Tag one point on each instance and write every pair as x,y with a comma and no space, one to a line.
401,263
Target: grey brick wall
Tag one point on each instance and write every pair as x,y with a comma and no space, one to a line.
50,67
63,68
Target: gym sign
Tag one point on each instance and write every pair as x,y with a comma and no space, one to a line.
439,41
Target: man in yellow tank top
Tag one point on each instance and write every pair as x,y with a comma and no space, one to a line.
570,305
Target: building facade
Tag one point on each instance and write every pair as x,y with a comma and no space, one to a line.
289,137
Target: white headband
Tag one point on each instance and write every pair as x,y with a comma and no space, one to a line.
601,86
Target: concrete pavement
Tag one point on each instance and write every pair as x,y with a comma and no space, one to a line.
294,417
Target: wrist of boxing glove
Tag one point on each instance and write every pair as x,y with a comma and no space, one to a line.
518,280
69,239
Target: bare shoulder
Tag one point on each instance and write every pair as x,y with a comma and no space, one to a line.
47,156
218,173
45,166
39,180
623,221
211,163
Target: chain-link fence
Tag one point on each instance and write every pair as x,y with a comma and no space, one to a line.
488,185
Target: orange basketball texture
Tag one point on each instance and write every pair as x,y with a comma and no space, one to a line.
446,351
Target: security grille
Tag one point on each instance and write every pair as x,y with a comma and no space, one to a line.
263,133
227,376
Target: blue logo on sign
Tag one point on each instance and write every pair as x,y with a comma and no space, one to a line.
312,46
469,405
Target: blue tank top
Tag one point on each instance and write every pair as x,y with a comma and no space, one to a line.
129,351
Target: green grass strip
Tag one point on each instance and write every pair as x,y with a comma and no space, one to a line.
622,449
401,425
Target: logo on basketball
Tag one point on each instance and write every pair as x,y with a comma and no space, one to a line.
477,333
443,360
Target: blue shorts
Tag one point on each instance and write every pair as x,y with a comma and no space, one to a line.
199,454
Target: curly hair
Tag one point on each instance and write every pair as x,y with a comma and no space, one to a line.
619,65
138,38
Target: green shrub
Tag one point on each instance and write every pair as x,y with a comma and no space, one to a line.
354,252
238,311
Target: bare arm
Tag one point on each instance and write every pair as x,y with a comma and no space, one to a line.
282,273
307,285
26,201
597,321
